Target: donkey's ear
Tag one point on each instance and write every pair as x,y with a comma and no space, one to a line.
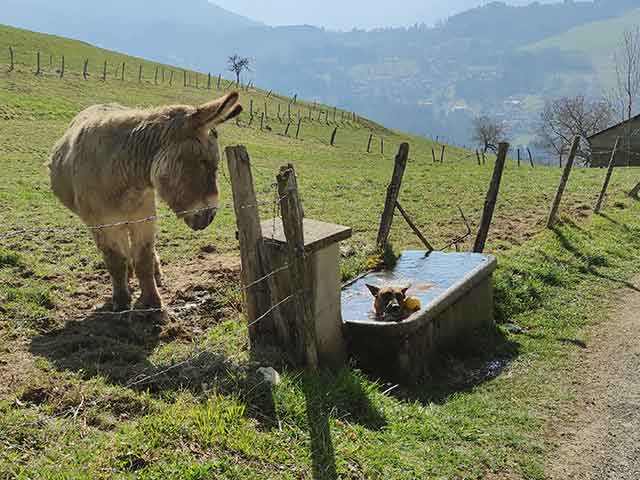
373,289
216,112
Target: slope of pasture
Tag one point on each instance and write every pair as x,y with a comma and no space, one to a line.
597,41
86,396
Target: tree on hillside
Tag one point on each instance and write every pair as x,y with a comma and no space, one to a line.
488,132
563,118
237,65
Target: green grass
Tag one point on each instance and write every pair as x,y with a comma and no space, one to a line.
72,402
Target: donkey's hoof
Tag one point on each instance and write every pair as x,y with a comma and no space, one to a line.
150,302
121,304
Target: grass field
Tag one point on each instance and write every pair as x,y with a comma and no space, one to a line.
72,402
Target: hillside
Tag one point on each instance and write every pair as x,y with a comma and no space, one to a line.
84,396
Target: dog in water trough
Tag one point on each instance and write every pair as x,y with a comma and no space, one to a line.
391,304
111,162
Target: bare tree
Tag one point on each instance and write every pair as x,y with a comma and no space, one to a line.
488,132
237,65
564,118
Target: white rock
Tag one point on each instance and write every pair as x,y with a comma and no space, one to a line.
269,376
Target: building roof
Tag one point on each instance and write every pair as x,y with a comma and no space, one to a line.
636,117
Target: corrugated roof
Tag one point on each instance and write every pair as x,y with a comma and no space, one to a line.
636,117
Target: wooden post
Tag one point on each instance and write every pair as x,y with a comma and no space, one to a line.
369,143
12,64
209,81
415,229
219,80
333,136
382,145
266,111
563,182
184,75
140,74
289,111
279,119
319,114
155,77
433,154
492,197
335,111
530,158
478,158
123,67
257,299
518,157
286,131
171,79
393,191
262,121
298,129
251,108
104,72
163,75
484,159
38,69
62,67
197,80
607,178
292,217
85,69
442,153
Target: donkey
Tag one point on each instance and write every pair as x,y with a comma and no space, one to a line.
112,160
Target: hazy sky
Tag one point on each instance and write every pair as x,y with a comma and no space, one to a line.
345,14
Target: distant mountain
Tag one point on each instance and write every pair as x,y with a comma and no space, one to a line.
428,80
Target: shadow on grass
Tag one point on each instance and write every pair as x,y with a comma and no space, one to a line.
118,350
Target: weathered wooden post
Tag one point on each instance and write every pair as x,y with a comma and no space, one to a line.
260,290
140,74
319,115
478,158
433,154
607,178
104,72
171,78
492,196
251,108
163,75
12,64
563,182
393,191
530,158
369,143
289,111
38,69
266,111
219,80
155,77
292,222
123,67
209,81
184,78
279,119
442,153
484,159
518,157
298,129
62,67
333,136
262,121
85,69
286,130
382,145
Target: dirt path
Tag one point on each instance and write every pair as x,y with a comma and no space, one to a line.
603,441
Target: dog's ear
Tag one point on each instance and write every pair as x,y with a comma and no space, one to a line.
405,290
373,289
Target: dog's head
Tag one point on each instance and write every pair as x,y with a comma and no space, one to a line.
389,302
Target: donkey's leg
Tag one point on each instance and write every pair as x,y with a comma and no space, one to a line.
157,269
144,258
113,243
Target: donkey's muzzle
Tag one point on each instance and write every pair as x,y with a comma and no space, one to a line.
200,220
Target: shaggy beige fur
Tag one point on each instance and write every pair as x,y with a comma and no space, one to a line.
112,160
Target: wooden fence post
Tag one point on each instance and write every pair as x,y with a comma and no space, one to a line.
530,158
607,178
442,153
104,72
286,130
382,145
219,80
433,154
163,75
266,111
257,298
62,67
333,136
12,64
38,69
209,81
478,158
123,68
262,121
563,182
279,119
197,80
298,129
484,159
140,74
85,69
292,222
171,79
393,191
184,78
369,143
492,196
155,77
518,157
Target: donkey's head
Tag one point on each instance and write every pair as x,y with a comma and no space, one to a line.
185,170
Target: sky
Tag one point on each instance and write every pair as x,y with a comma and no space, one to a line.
346,14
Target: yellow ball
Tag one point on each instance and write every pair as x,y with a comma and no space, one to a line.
413,304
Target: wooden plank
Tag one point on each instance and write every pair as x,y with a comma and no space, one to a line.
413,226
292,221
393,191
607,178
317,235
563,182
491,199
257,297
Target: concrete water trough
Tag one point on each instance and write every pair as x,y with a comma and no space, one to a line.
456,293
